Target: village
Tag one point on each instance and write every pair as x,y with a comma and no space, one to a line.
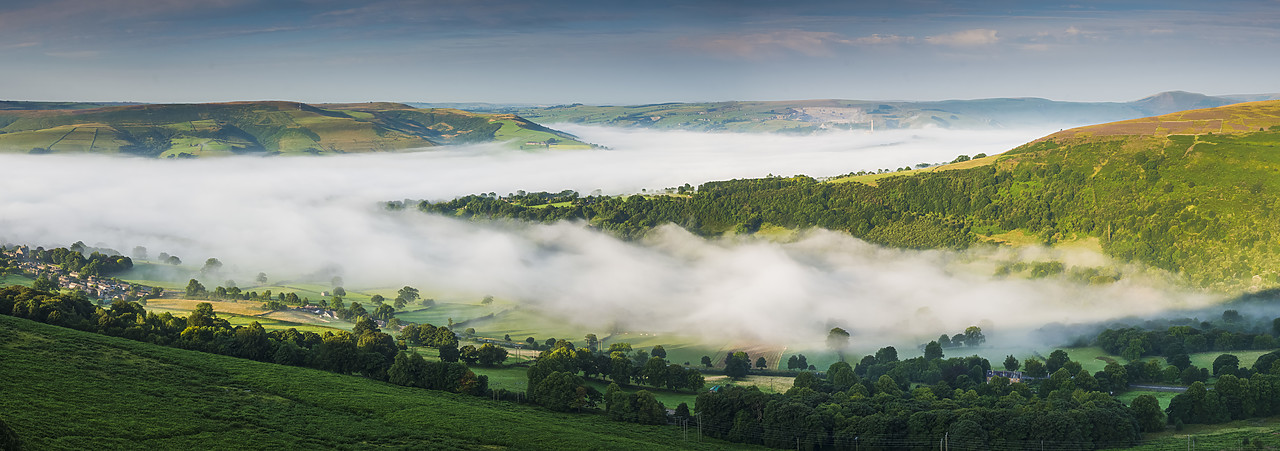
104,289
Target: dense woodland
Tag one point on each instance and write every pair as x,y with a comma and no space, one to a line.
1158,206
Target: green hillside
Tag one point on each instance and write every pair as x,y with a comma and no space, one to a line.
1193,193
187,130
65,389
807,116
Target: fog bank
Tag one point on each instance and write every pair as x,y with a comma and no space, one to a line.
293,216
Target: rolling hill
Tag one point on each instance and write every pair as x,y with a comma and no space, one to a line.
807,116
1193,193
188,130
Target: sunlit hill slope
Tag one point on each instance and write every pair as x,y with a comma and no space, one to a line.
183,130
1193,193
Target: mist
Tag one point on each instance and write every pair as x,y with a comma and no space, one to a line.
290,217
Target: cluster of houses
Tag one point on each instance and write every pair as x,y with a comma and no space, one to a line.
93,286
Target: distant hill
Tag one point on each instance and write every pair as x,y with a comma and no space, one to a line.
268,127
24,105
808,116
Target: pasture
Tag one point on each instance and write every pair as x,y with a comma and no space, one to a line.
14,279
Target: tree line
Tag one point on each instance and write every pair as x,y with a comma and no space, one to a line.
366,350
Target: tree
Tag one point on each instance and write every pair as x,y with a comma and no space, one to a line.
43,283
487,300
261,279
139,253
211,265
737,365
1146,409
364,325
384,312
1225,361
792,362
838,340
409,294
592,342
706,361
339,291
658,351
887,354
1056,360
973,336
761,363
1011,363
654,371
933,351
491,355
195,289
173,260
1034,368
449,352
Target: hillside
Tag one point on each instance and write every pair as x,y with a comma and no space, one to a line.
185,130
1193,193
807,116
66,389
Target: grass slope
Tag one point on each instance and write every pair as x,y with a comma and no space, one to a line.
1183,192
65,389
185,130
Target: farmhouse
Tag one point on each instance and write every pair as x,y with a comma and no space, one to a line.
1013,376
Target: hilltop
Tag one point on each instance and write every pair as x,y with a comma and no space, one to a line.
807,116
265,127
1192,193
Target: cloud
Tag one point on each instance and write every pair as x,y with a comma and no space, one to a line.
290,217
75,54
755,45
967,38
808,43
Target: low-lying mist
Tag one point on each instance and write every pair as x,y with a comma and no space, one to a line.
290,217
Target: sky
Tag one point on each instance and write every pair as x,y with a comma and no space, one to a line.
616,52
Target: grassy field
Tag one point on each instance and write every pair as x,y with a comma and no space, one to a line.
516,379
1163,396
13,279
1263,433
72,390
1205,359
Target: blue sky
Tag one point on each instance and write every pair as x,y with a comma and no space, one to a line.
608,52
